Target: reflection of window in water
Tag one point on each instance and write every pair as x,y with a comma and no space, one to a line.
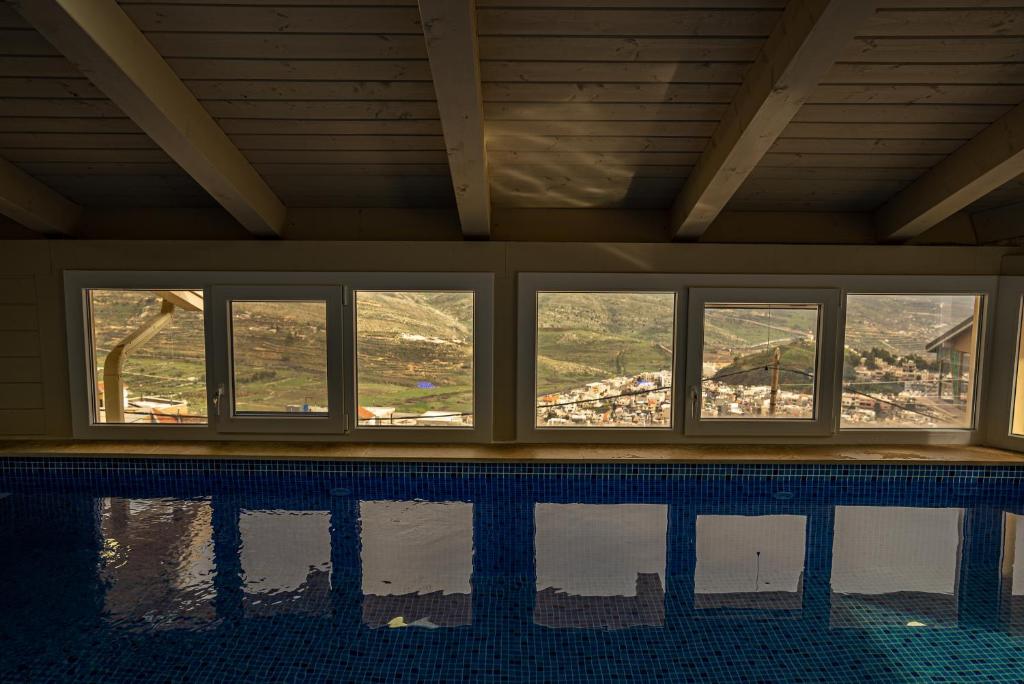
157,561
600,566
1012,573
895,566
417,561
286,561
750,562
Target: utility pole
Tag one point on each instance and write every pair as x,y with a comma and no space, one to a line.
773,401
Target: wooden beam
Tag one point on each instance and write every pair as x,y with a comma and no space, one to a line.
990,159
111,51
1001,223
450,30
34,205
190,300
800,51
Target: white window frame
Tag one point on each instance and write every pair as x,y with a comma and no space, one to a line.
1007,337
272,285
228,420
983,286
80,354
821,424
842,284
483,344
530,285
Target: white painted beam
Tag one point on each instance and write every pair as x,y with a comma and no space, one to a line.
990,159
111,51
807,41
450,30
33,204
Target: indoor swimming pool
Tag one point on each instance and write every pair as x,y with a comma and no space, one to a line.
288,571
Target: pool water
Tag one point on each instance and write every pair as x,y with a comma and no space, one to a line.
182,571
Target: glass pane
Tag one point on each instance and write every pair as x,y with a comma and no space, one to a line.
1017,426
604,359
759,361
279,356
149,350
909,361
414,359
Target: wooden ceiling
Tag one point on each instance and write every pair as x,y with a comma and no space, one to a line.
585,104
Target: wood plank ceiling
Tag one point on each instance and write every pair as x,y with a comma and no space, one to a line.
587,103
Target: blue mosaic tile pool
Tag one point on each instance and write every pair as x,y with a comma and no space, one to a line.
282,571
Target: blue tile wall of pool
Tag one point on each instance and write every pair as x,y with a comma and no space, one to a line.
181,570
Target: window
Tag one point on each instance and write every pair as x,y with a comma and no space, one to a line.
909,360
414,358
148,356
604,359
279,363
760,361
358,356
1017,417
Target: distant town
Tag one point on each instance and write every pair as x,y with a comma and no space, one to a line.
879,391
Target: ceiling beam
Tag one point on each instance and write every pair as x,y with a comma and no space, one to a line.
1001,223
990,159
33,204
799,52
104,43
450,30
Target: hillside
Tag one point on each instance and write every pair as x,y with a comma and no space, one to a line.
799,356
415,350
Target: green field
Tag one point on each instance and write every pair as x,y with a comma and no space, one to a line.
585,337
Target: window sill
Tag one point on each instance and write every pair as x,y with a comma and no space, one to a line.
565,453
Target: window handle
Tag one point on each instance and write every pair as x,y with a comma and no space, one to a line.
694,401
218,396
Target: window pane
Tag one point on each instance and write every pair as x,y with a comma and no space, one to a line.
759,361
604,359
414,358
149,351
279,356
909,361
1017,426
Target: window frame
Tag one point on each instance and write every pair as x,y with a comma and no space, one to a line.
997,406
530,285
79,343
978,286
481,285
826,342
228,420
81,379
